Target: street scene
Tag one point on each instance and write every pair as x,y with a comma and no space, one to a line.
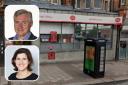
80,42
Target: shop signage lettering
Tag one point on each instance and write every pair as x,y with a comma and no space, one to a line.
54,17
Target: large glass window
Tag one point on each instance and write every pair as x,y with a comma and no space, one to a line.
95,31
65,37
71,36
91,30
105,31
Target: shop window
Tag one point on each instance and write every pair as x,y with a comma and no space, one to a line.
67,38
100,31
71,37
106,32
91,31
46,38
77,30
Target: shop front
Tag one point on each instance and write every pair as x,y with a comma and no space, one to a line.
123,50
66,32
123,53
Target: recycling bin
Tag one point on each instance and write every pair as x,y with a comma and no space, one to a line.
94,57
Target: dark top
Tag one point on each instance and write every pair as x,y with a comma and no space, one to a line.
32,37
33,76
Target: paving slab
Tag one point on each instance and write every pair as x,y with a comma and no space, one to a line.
72,74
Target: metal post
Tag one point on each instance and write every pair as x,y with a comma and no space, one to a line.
117,43
61,36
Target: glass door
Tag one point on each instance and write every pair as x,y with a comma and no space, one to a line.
123,53
123,50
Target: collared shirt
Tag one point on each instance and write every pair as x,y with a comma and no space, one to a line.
26,37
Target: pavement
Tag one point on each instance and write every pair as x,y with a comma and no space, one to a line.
71,73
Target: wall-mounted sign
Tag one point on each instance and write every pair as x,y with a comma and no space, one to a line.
54,17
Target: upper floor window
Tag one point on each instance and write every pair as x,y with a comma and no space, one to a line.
88,3
97,3
55,1
106,5
77,3
123,2
94,3
67,2
80,4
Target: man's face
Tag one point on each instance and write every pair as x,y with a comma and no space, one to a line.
22,25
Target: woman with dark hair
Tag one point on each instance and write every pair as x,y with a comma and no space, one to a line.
22,61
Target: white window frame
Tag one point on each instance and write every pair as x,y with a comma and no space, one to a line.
76,5
123,2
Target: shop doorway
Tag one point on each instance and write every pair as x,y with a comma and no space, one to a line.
123,50
123,53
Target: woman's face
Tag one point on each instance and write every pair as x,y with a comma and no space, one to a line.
22,62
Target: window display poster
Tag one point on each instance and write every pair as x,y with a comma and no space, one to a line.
89,61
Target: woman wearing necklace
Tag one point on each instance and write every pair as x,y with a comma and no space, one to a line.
22,61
